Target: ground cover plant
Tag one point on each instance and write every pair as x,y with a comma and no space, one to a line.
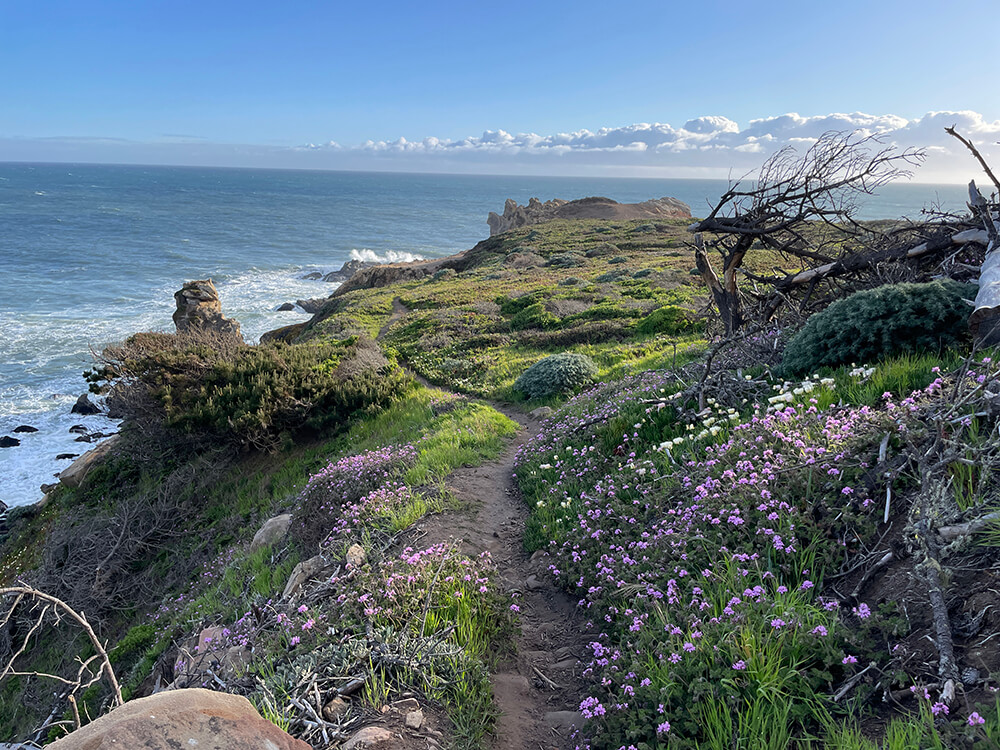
702,544
530,293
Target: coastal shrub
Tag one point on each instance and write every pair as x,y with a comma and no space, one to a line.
670,319
565,260
605,248
618,259
533,316
514,305
557,373
604,278
246,395
891,319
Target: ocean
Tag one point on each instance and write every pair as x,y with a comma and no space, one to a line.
92,253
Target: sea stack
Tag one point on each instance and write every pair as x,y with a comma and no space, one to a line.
198,308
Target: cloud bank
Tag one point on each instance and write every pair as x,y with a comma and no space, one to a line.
710,146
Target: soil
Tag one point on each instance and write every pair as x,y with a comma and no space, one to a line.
539,687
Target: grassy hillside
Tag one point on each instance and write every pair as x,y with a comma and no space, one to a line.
758,562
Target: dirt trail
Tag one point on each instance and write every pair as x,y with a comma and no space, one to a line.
539,688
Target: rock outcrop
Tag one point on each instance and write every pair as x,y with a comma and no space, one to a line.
78,470
84,406
190,718
198,308
349,269
536,212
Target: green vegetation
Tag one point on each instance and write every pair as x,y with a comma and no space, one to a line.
880,322
722,530
557,373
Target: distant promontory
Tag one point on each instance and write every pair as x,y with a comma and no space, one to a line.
536,212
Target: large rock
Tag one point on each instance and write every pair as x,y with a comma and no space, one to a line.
84,405
78,470
198,308
536,212
272,532
190,718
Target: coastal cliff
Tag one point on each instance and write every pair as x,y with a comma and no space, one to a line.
535,212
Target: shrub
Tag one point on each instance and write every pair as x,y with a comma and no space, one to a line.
619,259
892,319
565,260
556,374
533,316
348,494
513,305
610,276
670,319
246,395
605,248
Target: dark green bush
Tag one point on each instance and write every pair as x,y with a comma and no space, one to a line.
618,259
556,374
891,319
610,276
533,316
514,305
605,248
565,260
246,395
670,319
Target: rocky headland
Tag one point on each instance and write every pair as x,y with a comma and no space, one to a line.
516,216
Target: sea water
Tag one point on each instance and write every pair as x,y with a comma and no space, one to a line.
90,254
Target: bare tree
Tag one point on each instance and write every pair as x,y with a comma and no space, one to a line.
824,186
25,611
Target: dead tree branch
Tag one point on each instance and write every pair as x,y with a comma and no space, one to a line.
45,607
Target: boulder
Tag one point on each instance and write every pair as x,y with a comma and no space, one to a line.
536,212
63,457
301,573
190,718
84,406
273,531
312,306
198,308
356,556
24,428
79,429
370,737
312,276
8,442
285,307
78,470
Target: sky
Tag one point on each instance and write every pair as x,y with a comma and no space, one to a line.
633,88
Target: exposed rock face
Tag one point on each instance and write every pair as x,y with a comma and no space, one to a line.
388,273
192,718
198,308
8,442
536,212
348,270
84,405
78,470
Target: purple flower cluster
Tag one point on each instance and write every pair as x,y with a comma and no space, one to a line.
339,498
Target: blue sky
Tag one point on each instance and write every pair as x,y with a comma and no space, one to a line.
254,82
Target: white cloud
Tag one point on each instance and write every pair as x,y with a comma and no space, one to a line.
711,145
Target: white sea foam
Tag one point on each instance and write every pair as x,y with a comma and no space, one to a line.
389,256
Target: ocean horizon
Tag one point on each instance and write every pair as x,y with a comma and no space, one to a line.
93,253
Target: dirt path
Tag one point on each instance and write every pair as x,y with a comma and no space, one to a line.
539,688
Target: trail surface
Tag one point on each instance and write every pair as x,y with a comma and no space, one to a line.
539,688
